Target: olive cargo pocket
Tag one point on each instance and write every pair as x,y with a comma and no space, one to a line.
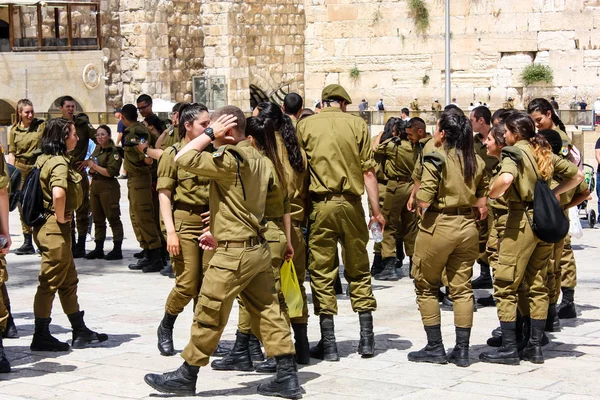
416,269
210,311
505,270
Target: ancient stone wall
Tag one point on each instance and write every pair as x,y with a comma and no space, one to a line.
492,41
110,31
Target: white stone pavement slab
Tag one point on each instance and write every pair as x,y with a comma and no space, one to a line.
128,306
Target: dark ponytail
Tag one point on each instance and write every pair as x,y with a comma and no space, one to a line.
543,106
459,135
285,127
188,112
263,132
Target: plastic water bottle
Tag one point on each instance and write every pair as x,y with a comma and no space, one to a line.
3,241
376,232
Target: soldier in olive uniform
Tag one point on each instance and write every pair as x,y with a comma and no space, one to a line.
105,194
170,136
453,182
24,140
139,182
399,157
85,132
336,186
240,178
436,106
183,200
414,105
6,322
480,121
62,195
522,254
509,103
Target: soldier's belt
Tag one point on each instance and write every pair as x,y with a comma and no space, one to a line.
242,244
498,212
402,179
335,197
453,210
26,161
195,209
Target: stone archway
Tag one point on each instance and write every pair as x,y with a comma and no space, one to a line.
7,110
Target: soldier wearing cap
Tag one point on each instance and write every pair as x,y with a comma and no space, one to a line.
414,105
436,106
336,186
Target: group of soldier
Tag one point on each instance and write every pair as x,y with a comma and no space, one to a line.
287,185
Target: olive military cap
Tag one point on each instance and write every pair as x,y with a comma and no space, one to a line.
335,92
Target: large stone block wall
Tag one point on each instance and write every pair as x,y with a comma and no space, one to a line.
492,41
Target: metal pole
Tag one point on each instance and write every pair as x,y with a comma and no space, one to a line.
448,85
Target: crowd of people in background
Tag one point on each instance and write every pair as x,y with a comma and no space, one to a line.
220,201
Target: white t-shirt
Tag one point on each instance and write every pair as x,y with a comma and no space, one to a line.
597,106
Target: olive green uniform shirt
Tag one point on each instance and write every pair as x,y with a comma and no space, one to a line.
397,157
85,132
524,173
109,158
57,172
443,184
414,105
338,149
171,138
297,182
185,187
26,143
425,146
239,182
4,175
134,159
500,203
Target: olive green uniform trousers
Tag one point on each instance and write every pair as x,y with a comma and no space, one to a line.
105,195
484,229
25,170
4,300
247,272
449,241
568,268
188,266
57,272
522,258
299,245
377,247
400,224
141,211
83,212
340,218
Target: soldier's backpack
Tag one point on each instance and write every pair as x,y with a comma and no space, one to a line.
15,183
549,223
32,199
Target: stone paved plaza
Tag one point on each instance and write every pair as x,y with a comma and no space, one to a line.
129,305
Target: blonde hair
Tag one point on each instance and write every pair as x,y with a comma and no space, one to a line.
20,106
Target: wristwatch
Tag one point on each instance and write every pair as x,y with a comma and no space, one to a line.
209,132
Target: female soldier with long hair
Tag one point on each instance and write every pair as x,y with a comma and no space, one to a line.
261,133
183,201
62,195
453,182
25,138
105,194
522,254
295,165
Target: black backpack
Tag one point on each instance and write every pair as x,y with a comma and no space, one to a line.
32,199
380,107
550,223
15,184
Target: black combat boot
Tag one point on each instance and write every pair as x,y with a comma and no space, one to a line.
285,383
167,270
446,301
522,325
377,266
487,301
140,254
154,261
4,364
399,254
460,354
43,340
221,351
434,352
26,247
79,248
254,347
83,336
181,381
238,358
507,353
115,253
552,320
165,335
389,272
366,345
326,349
337,285
301,343
484,281
11,331
567,310
266,367
533,351
98,252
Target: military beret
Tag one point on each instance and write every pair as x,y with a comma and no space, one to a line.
335,92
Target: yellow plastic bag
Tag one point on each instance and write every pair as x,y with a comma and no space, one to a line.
291,289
